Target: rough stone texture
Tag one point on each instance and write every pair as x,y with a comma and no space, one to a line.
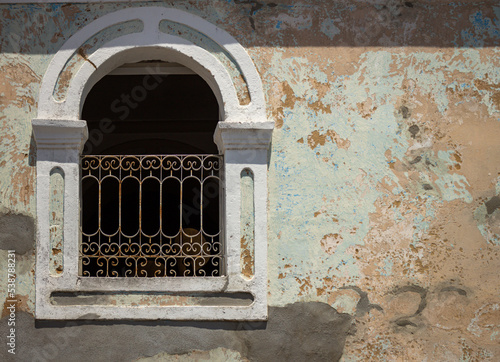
384,171
301,331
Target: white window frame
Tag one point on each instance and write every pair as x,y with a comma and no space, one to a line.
243,137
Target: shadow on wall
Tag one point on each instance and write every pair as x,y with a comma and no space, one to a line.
17,232
310,331
388,23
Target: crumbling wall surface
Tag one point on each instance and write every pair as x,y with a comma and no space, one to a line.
384,182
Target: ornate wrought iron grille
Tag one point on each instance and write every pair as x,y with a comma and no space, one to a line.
151,216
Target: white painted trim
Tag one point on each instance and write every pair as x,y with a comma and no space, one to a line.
151,18
243,138
119,51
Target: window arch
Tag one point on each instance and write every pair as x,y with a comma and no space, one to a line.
242,136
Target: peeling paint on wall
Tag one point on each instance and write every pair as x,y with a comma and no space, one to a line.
384,172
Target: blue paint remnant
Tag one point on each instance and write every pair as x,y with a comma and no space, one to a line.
483,27
329,29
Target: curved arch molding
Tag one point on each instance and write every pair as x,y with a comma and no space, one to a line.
109,56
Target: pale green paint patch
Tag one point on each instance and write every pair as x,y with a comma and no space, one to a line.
486,224
494,335
386,269
342,184
346,303
452,185
19,80
374,79
435,74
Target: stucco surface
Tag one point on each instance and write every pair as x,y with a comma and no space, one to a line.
384,171
300,331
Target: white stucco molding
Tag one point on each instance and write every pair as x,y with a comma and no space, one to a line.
133,48
242,137
59,144
52,134
151,18
245,146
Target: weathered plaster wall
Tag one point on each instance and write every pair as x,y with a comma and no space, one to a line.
384,181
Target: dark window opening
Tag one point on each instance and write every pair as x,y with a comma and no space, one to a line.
151,178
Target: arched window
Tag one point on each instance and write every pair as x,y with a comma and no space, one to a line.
151,176
232,282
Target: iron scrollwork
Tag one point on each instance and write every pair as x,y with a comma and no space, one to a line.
151,216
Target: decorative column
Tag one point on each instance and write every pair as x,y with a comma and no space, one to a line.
245,146
59,145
